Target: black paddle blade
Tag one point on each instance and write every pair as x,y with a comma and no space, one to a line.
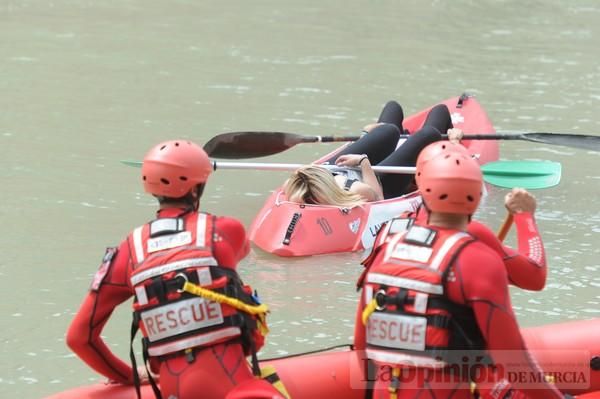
583,141
239,145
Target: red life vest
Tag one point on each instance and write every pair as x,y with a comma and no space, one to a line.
413,321
166,253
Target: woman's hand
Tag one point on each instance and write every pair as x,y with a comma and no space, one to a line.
352,160
455,135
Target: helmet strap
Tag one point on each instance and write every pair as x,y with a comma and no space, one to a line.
195,195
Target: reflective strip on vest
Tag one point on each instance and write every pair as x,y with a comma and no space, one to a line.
404,359
170,267
137,244
446,247
401,282
201,231
197,340
169,241
140,294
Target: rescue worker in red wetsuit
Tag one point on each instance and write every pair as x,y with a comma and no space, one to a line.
526,267
198,320
434,298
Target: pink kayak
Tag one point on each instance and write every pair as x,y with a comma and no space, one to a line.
568,352
286,228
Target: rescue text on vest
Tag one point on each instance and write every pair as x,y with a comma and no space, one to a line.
397,331
181,317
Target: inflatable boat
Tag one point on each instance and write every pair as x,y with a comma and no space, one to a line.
569,353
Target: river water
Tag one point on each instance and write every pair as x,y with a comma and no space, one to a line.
85,84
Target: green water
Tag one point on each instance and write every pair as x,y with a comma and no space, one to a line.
85,84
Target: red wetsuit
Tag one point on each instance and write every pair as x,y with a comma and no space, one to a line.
526,266
216,369
478,279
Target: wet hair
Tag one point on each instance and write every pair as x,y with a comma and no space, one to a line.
316,185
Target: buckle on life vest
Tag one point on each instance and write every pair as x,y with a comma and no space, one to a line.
184,277
399,300
190,356
381,299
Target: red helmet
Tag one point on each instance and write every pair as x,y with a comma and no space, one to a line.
173,168
451,183
434,149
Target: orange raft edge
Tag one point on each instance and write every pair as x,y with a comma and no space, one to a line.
566,351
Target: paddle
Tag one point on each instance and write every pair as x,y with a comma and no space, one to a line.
530,175
508,174
239,145
288,166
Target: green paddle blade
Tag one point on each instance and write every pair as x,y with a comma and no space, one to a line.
526,174
135,164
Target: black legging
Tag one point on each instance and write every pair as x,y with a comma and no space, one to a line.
380,144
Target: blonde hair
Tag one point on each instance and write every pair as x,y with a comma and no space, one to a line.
316,185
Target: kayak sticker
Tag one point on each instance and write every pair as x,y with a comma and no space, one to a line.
381,213
354,225
325,226
457,118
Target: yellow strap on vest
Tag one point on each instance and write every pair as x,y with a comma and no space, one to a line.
393,390
269,374
370,308
260,311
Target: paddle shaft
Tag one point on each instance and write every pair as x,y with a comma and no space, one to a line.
521,179
505,227
479,136
240,145
295,166
482,136
296,139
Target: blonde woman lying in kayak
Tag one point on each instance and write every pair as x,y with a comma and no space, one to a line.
314,184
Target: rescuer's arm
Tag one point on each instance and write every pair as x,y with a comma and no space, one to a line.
231,242
524,270
484,286
109,289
